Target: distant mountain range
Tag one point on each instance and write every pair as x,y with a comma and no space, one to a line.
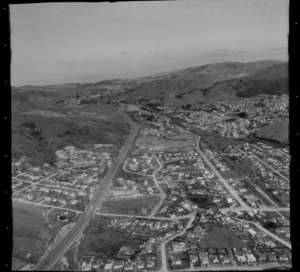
214,82
201,84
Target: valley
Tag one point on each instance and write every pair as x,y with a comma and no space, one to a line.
184,171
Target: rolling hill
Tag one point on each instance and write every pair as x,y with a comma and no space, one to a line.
38,136
201,84
213,82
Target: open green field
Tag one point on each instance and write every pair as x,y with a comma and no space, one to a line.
137,206
230,174
29,231
220,238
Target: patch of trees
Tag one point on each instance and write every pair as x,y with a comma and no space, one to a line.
33,131
242,114
203,201
260,104
186,107
230,120
153,106
150,118
270,225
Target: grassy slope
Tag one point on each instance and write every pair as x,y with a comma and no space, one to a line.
38,137
28,229
211,83
277,132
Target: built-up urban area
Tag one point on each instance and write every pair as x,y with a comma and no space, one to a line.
237,118
181,199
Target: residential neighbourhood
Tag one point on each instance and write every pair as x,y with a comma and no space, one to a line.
202,206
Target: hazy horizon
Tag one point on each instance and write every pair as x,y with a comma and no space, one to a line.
56,43
147,75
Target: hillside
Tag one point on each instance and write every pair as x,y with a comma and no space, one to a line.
219,81
278,132
38,137
201,84
276,71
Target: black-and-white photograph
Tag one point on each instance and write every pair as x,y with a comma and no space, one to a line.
150,136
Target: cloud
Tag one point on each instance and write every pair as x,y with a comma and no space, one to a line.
124,52
223,52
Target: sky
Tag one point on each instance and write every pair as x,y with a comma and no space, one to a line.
54,43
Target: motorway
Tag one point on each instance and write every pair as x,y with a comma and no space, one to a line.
75,233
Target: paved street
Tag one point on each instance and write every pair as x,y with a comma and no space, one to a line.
163,245
162,192
229,188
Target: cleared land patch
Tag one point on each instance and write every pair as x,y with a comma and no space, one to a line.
185,141
220,238
137,206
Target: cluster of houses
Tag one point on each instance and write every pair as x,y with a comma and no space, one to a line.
169,156
72,180
160,229
126,188
274,158
53,196
159,125
65,188
180,199
145,260
32,174
188,251
128,259
93,159
269,167
222,117
18,185
218,161
142,163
